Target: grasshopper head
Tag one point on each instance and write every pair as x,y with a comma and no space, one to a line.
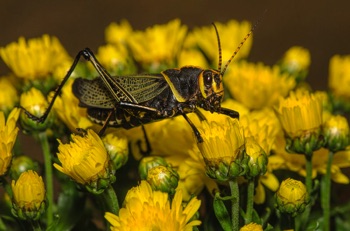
211,87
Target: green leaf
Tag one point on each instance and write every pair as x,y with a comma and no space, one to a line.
221,213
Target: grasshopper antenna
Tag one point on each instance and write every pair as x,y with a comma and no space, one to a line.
242,43
219,46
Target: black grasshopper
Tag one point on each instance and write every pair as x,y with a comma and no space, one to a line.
129,101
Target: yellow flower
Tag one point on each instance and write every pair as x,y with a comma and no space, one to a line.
192,57
158,45
145,209
8,135
292,197
28,196
256,85
35,58
263,125
251,227
221,147
231,35
299,113
296,162
296,61
8,95
115,59
270,181
192,175
118,34
339,76
67,108
36,104
117,148
86,161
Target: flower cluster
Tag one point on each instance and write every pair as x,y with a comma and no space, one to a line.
165,170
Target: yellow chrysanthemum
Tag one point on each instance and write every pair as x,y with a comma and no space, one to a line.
192,57
8,95
256,85
145,209
339,76
251,227
231,34
8,135
35,58
270,181
116,59
158,45
84,159
222,145
67,109
296,162
263,125
296,61
118,34
221,142
28,196
300,113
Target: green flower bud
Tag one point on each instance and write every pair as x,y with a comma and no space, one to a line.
117,148
336,133
149,162
163,178
22,164
35,103
257,158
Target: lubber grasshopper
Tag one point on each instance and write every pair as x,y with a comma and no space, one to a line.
129,101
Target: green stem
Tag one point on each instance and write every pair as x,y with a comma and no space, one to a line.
308,183
325,193
308,178
6,186
235,204
250,201
48,176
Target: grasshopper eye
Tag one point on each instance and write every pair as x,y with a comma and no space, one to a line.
208,78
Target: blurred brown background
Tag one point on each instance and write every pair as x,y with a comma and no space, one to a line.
321,26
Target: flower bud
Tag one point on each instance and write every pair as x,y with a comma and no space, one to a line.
163,178
292,197
35,103
117,149
22,164
336,133
149,162
257,158
28,196
296,62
